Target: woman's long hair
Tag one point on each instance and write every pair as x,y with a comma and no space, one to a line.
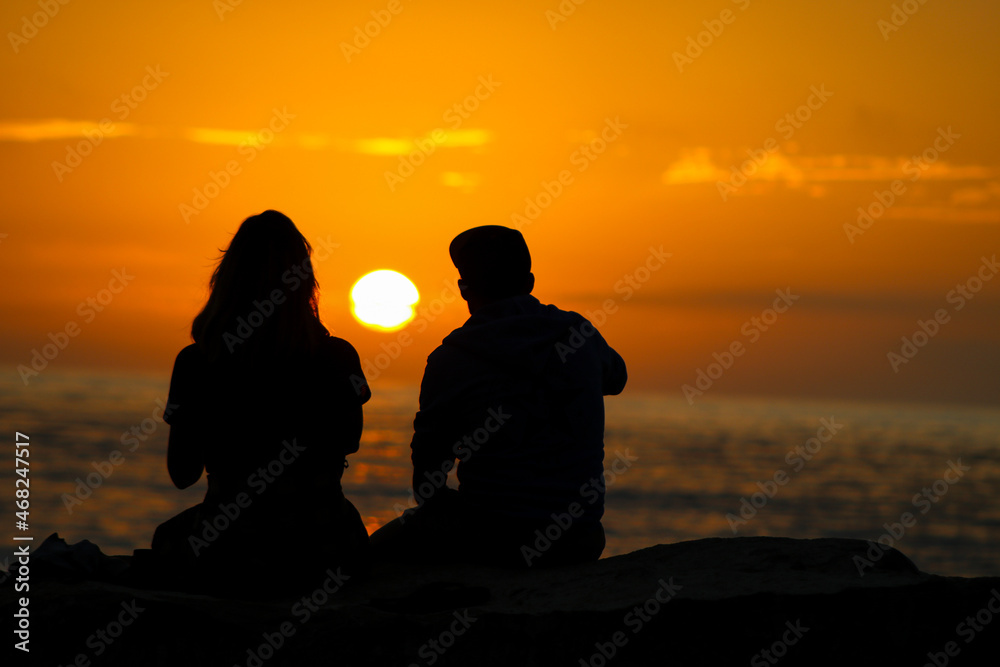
264,295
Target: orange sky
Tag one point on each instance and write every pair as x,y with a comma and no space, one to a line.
533,92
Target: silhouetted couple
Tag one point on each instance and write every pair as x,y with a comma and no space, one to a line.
270,406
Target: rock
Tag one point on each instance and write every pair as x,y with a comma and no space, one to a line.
712,601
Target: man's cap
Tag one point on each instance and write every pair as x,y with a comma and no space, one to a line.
491,256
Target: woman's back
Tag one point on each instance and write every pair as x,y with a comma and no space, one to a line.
259,419
270,412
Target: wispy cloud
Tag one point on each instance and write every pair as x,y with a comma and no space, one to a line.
703,165
945,214
59,128
405,145
694,165
965,193
215,136
53,129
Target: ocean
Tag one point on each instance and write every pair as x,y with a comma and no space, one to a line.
923,478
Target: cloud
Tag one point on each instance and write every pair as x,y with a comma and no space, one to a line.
465,181
964,193
694,165
404,145
945,214
875,303
702,165
217,137
61,129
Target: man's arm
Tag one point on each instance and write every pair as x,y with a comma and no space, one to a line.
437,425
613,367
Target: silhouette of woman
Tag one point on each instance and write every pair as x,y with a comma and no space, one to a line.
269,404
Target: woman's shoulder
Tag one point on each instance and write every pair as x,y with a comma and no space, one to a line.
190,356
339,347
346,360
190,352
340,353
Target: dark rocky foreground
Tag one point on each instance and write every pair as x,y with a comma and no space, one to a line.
704,602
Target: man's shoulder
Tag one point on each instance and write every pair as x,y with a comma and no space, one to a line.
521,308
577,324
447,351
554,312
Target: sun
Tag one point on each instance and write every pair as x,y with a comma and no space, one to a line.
384,300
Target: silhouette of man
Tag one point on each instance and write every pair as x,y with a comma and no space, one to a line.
516,396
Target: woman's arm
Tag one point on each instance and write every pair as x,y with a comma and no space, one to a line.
350,392
185,462
185,457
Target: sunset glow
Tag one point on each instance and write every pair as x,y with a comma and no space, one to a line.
843,151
